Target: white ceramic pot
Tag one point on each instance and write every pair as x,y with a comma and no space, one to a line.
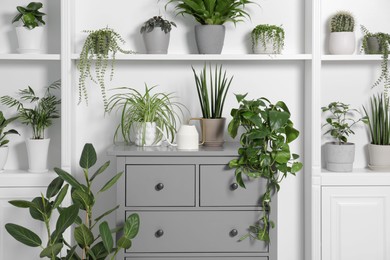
187,138
30,41
3,157
342,43
379,157
37,151
156,41
268,48
340,158
151,134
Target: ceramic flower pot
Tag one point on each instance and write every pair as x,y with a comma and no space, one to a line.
30,41
340,158
379,157
146,134
156,41
213,131
342,43
3,157
268,48
37,152
210,38
373,46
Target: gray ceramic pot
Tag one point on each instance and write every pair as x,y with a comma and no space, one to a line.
373,46
156,41
340,158
213,131
379,157
210,38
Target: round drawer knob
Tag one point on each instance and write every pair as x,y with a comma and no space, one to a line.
159,187
159,233
233,233
234,186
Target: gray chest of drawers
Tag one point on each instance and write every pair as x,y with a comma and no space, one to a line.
189,205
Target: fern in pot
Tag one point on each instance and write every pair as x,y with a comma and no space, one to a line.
37,112
156,34
342,36
145,118
267,39
4,138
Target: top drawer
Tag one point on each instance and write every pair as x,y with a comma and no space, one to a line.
160,185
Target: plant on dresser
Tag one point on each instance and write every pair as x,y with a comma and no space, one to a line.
30,33
97,49
37,112
156,41
3,138
264,152
267,39
340,154
42,208
342,37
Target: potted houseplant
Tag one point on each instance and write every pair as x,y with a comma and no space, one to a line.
211,15
212,94
342,37
340,154
145,118
92,234
264,152
378,121
156,41
30,33
38,112
99,46
3,138
267,39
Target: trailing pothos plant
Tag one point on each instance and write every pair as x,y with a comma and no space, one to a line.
43,207
264,152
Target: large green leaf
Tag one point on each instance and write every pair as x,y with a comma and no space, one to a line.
278,119
291,134
41,209
99,251
111,182
84,199
52,250
83,236
34,6
100,170
66,218
68,178
60,197
124,242
21,203
23,235
105,234
54,187
88,156
131,226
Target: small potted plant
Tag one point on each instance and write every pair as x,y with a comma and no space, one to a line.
340,154
99,46
145,118
267,39
39,117
212,93
3,138
211,15
342,36
378,121
30,33
156,41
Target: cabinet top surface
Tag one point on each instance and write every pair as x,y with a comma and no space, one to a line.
229,149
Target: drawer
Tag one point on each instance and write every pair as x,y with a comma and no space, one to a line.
216,188
195,231
160,185
201,258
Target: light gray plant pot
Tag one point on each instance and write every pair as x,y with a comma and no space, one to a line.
373,46
210,38
156,41
342,43
214,129
339,157
379,156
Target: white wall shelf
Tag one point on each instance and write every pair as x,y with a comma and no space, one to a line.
351,57
33,57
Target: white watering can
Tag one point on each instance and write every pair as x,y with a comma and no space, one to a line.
187,138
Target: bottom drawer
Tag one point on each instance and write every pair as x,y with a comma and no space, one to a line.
196,231
201,258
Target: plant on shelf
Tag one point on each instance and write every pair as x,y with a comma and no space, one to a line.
378,43
30,15
99,46
212,93
93,236
267,39
148,116
342,37
341,119
156,41
37,112
264,152
3,138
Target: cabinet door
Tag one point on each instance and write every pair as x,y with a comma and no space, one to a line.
356,223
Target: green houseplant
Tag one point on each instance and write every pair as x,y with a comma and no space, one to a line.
264,152
212,14
156,41
267,39
43,207
147,117
212,91
30,33
3,138
37,112
342,37
99,46
340,119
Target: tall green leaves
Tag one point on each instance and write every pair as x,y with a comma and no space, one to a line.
212,92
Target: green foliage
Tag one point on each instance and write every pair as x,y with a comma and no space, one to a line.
341,119
139,108
212,12
98,47
342,22
378,120
42,208
212,101
264,152
30,15
157,21
264,33
44,109
3,124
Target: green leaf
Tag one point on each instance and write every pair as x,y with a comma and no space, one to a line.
23,235
34,6
296,167
105,234
240,97
83,236
68,178
82,198
54,187
66,218
52,250
106,213
21,203
71,254
111,182
131,226
100,170
291,134
99,251
124,242
278,119
88,156
41,209
58,200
